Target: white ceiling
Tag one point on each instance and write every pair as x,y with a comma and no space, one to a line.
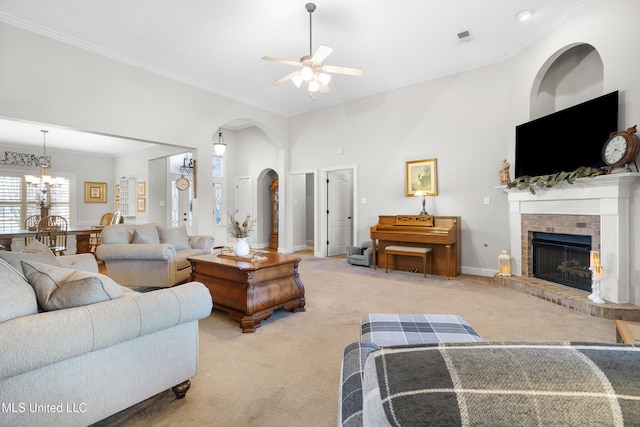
217,45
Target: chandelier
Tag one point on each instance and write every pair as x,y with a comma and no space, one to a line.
43,181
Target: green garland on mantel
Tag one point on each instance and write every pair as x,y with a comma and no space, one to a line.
548,181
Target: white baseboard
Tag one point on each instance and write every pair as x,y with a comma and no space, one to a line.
475,271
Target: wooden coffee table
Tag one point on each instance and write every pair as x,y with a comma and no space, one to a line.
250,290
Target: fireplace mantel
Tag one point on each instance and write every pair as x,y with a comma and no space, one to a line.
607,196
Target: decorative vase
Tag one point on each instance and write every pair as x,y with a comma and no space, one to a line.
242,247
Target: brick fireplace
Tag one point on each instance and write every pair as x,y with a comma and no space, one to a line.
581,225
597,207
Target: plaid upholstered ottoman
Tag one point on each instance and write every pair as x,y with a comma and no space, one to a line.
387,330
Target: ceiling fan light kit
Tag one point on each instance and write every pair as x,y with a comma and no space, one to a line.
312,70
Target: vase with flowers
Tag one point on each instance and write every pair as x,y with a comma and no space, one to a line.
240,230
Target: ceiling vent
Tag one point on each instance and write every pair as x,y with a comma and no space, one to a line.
465,36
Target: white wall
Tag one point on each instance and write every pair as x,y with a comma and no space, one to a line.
46,81
460,120
466,121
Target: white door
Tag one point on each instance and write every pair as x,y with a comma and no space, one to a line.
181,202
339,211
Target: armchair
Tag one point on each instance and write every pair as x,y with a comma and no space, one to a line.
360,255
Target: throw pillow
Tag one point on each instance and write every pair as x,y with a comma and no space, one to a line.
17,298
57,288
34,251
177,236
117,234
146,233
36,247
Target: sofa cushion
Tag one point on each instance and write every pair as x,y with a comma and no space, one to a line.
503,384
17,298
57,288
176,236
34,251
117,233
386,329
146,233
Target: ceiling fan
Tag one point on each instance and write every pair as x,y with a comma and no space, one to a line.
311,69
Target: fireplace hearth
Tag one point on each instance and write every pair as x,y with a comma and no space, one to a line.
562,258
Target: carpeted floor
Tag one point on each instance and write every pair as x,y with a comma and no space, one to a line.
287,372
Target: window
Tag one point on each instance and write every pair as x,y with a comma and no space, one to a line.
218,180
18,201
11,202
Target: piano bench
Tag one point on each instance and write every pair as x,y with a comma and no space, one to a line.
424,253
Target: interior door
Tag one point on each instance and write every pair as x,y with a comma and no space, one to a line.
181,203
339,211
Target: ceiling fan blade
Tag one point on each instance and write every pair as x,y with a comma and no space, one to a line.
285,78
282,61
324,89
321,54
343,70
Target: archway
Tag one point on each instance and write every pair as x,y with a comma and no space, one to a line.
268,207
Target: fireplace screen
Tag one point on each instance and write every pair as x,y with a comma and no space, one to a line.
563,259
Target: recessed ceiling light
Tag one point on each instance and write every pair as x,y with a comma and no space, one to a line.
523,15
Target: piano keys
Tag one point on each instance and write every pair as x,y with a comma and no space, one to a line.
440,233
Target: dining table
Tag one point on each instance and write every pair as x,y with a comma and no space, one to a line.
82,235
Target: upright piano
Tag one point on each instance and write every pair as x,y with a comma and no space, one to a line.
440,233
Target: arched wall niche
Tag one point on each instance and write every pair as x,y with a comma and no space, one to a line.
572,75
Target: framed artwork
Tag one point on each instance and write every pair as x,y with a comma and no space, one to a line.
141,188
422,178
117,191
142,204
95,192
118,204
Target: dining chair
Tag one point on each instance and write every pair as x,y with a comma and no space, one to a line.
94,240
116,218
31,224
52,231
106,218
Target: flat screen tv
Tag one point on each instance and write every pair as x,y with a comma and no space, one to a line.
567,139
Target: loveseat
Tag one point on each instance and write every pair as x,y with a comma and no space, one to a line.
489,383
149,255
77,347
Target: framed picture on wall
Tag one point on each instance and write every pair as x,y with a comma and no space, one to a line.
95,192
422,178
141,188
142,204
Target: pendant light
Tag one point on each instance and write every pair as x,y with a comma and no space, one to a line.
219,147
